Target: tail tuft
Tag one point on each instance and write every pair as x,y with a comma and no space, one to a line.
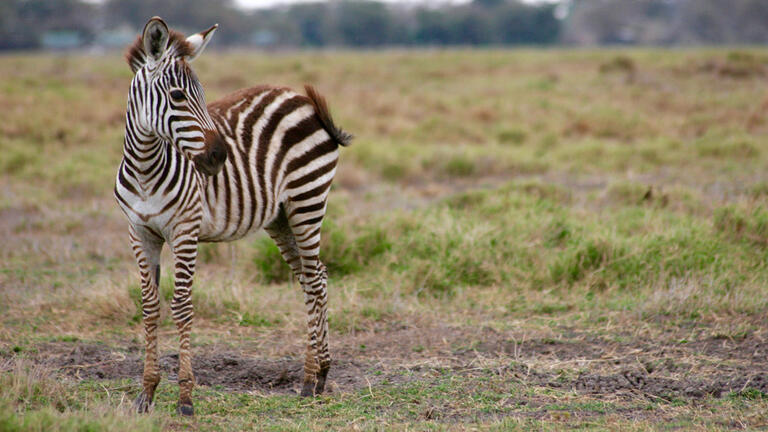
323,114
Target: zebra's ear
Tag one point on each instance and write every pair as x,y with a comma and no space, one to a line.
155,38
198,41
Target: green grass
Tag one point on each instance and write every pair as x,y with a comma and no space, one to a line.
613,199
465,113
441,403
32,401
505,237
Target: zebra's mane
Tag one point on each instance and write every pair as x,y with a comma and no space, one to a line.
177,46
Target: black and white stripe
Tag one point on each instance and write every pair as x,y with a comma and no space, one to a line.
259,158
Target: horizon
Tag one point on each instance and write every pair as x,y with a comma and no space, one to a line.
261,4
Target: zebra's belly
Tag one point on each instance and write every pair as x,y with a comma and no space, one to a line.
213,229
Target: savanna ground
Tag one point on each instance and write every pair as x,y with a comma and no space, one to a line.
515,240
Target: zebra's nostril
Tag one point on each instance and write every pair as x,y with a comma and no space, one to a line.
216,152
219,154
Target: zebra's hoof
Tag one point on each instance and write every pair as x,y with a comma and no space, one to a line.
143,403
308,390
185,409
320,385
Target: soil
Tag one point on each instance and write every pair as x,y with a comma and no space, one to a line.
709,366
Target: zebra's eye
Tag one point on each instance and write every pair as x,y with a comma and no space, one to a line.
178,95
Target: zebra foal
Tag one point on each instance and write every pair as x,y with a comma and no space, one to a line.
262,157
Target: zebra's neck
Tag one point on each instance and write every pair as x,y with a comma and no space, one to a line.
152,166
145,157
156,185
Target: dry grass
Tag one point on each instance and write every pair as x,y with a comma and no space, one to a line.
48,404
510,231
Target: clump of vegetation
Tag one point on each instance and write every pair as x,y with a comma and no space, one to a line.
477,239
583,260
628,193
743,223
344,251
741,64
459,166
512,136
619,64
727,147
348,252
269,263
31,399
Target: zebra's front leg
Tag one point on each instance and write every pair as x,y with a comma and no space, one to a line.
184,255
147,252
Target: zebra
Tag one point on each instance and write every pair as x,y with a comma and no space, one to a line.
262,157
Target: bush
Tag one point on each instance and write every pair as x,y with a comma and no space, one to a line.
743,224
343,252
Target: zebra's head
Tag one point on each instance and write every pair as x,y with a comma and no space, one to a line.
167,98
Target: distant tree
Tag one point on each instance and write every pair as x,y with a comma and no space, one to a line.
186,15
311,19
483,23
359,23
620,22
432,27
13,33
522,24
363,23
488,3
473,26
708,21
667,21
24,22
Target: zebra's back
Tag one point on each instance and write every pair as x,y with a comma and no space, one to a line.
282,146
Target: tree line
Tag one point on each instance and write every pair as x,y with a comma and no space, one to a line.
32,24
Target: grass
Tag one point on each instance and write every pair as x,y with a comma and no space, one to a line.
488,401
507,226
50,405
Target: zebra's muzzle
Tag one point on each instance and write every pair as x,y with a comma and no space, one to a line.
211,162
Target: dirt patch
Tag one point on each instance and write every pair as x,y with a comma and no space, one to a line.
667,388
226,369
13,219
633,383
582,362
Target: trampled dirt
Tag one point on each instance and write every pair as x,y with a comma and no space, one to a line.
660,369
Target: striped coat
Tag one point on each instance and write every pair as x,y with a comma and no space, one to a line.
262,157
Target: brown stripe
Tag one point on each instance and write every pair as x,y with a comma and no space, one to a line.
312,175
286,107
312,154
294,135
307,209
248,142
312,192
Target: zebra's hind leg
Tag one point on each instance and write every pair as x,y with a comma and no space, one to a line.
317,363
147,252
305,221
315,371
281,234
185,256
323,354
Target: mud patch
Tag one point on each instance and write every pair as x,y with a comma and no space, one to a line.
224,369
587,363
654,387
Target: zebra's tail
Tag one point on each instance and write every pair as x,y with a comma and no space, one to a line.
323,114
